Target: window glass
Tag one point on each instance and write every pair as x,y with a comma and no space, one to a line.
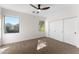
42,26
11,24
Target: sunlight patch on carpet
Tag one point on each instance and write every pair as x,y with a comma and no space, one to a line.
3,49
41,44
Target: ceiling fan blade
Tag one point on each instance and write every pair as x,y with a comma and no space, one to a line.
44,8
38,6
33,6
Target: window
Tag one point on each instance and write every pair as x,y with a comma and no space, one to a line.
42,26
11,24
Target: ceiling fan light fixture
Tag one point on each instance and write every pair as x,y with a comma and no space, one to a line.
36,12
39,10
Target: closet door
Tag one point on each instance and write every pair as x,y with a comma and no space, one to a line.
52,30
0,27
56,30
69,29
0,31
76,33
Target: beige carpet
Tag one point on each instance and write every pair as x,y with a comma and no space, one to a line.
39,46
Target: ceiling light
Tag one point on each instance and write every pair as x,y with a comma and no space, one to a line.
38,10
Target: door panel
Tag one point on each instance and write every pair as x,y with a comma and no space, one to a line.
76,33
69,29
56,30
52,30
0,31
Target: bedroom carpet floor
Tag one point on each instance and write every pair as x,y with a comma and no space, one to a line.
30,47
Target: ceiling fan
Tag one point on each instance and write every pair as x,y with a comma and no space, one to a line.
38,8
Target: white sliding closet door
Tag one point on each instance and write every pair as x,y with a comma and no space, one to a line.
0,27
52,30
0,31
69,30
56,30
76,33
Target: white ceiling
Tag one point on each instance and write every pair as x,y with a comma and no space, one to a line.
55,9
26,8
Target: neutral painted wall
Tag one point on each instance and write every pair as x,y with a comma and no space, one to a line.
29,27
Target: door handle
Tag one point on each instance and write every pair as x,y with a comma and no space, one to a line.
75,33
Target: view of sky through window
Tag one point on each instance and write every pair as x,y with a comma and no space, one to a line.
11,19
